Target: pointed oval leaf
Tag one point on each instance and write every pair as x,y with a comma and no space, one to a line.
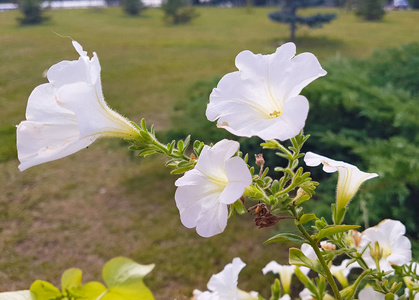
333,229
71,278
307,218
124,279
91,290
42,290
298,258
286,238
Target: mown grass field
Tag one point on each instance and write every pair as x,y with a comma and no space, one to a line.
102,202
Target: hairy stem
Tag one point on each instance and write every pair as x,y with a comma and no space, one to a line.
313,243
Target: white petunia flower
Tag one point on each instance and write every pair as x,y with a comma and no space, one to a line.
217,180
305,294
368,293
350,177
285,273
342,271
262,97
223,285
394,247
68,113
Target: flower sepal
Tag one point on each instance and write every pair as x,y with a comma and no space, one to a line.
237,207
338,216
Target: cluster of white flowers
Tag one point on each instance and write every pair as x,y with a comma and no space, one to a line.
261,99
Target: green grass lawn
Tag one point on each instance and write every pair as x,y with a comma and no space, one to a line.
101,202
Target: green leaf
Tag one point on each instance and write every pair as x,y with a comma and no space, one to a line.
18,295
124,279
145,153
286,238
333,229
180,145
270,144
71,278
181,170
91,290
187,141
307,218
305,280
275,187
239,207
43,290
298,258
303,199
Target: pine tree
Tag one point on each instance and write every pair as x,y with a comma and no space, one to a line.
288,14
370,10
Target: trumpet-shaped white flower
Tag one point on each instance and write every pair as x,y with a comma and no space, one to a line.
68,113
262,97
342,271
285,273
217,180
350,177
394,248
223,285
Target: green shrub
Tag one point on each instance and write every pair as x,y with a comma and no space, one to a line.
132,7
370,10
365,112
32,12
178,12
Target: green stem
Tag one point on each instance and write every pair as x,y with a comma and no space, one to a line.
359,279
288,189
319,255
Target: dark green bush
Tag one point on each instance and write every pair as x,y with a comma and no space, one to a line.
364,112
32,12
178,12
370,10
132,7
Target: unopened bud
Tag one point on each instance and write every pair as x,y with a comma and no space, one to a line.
327,246
348,292
376,252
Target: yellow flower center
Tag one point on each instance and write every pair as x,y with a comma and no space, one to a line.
275,114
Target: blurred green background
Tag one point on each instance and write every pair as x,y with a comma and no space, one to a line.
104,202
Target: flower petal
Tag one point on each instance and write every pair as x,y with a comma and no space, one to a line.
239,178
250,101
212,220
94,116
225,282
43,142
51,131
